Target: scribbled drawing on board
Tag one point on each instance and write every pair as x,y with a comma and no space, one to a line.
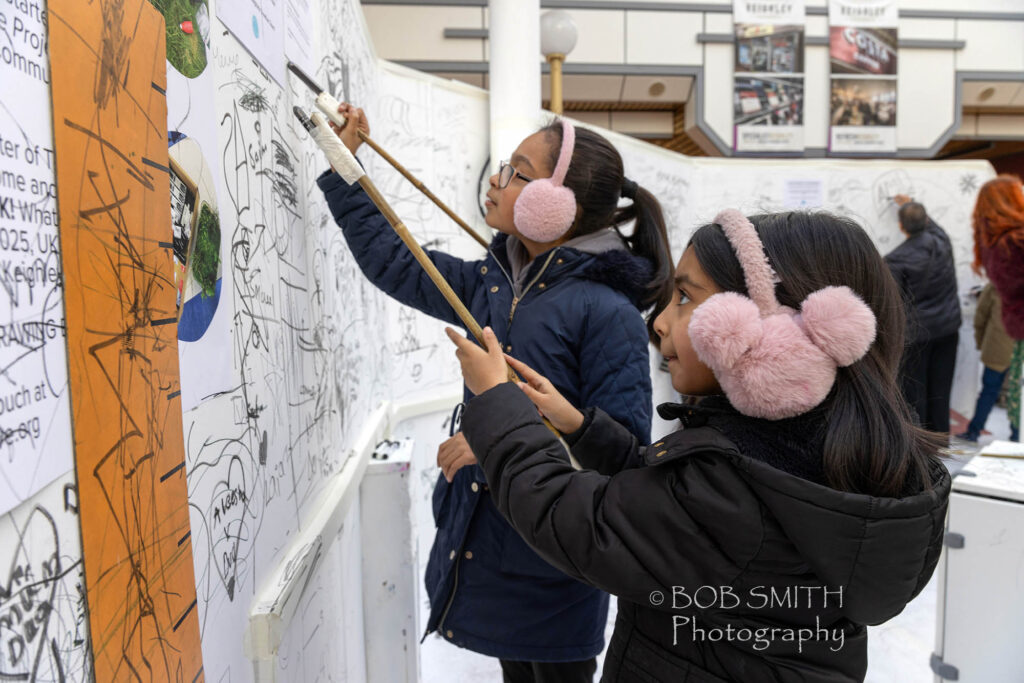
969,184
43,630
113,170
887,186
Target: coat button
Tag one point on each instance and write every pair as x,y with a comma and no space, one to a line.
508,347
451,555
475,487
494,289
658,455
483,270
542,285
560,261
469,554
449,633
660,443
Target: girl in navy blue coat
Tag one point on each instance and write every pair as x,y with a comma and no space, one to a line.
563,290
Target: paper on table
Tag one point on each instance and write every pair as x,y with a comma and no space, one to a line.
1004,449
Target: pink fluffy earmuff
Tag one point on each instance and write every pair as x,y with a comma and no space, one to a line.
771,361
546,208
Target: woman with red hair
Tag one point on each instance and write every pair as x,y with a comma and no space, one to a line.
999,250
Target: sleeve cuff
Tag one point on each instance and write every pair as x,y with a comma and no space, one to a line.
493,414
573,437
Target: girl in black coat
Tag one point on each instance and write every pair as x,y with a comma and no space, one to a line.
797,504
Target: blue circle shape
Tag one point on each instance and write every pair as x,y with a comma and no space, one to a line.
197,314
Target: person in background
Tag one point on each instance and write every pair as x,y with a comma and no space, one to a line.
923,268
999,252
996,349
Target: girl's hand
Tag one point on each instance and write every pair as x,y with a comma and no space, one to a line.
482,370
355,123
453,455
563,415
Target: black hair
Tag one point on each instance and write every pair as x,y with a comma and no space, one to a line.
596,177
913,218
871,444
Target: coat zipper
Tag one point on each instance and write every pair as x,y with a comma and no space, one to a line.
511,314
517,299
448,606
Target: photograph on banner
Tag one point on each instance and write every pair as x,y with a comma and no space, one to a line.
768,112
764,48
199,253
188,34
860,50
863,57
768,83
863,114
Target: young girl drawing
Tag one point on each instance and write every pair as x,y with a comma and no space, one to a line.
797,503
563,290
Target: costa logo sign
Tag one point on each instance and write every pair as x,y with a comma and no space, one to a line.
863,50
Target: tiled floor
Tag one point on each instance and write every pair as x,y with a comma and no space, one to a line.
898,650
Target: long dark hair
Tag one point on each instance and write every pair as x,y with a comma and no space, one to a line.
871,444
595,176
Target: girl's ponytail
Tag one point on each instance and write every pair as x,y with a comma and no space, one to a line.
649,240
596,178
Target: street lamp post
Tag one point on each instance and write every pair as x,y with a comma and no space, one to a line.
557,39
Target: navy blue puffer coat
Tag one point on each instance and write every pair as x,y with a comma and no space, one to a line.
577,323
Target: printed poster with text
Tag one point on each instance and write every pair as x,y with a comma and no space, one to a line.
35,418
862,52
768,85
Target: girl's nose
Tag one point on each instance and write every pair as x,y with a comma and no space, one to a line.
493,181
659,325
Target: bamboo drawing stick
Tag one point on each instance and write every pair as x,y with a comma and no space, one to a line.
329,106
422,188
349,169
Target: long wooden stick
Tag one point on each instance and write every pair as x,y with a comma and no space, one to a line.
422,188
421,256
446,289
351,172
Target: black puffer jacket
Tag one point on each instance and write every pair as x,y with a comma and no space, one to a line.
709,549
924,269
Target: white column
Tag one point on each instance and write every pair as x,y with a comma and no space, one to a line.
514,37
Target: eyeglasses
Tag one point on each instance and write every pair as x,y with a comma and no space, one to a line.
506,172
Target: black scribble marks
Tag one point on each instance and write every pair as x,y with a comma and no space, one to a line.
282,175
333,66
112,69
43,633
968,184
252,97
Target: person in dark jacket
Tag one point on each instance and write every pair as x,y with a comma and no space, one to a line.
571,306
758,541
924,269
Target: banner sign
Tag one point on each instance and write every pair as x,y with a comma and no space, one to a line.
768,85
863,56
